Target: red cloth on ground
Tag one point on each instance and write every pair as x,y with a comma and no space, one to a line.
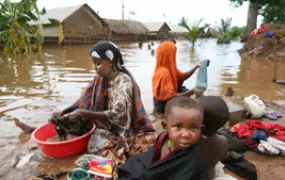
258,31
245,131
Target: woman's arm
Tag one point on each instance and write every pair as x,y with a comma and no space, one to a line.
67,110
95,116
99,118
196,91
186,93
56,115
188,74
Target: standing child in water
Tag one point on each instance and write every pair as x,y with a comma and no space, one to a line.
175,154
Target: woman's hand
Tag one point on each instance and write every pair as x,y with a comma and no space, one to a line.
199,64
76,115
54,117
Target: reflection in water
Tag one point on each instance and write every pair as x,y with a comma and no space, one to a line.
55,76
255,77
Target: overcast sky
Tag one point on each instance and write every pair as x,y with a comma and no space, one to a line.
170,11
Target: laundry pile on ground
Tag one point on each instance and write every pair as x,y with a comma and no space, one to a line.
268,138
263,137
268,41
253,135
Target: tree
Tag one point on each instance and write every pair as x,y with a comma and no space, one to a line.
20,26
195,30
236,33
274,14
223,31
255,8
16,33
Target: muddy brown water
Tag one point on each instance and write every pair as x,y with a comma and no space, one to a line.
33,86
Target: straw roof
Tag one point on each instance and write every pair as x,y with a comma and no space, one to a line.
178,29
62,13
155,26
126,27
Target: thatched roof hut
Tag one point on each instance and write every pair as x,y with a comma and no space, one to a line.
158,30
157,26
80,25
178,31
126,30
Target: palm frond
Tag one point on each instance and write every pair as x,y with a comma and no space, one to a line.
195,30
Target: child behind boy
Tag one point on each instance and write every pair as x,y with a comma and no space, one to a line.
175,154
214,146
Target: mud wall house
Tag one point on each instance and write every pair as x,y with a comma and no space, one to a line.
80,25
158,30
126,30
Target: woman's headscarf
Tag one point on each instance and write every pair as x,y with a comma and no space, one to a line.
167,77
107,50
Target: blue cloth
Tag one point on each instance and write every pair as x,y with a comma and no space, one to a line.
269,35
259,135
202,77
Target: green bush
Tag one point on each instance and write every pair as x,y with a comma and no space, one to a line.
236,33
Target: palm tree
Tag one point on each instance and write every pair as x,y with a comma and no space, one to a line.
195,30
224,29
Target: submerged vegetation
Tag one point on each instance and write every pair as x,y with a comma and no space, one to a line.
20,27
17,35
225,33
195,30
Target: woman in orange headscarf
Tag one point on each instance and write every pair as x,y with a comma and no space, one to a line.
167,79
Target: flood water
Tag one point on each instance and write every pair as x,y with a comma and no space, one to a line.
33,86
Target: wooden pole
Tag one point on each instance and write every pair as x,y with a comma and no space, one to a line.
274,69
123,9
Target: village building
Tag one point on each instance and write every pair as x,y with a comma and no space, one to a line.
126,30
177,32
158,30
80,25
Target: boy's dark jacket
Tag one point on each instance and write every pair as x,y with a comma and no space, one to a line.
186,164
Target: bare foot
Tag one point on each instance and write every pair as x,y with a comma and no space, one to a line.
25,128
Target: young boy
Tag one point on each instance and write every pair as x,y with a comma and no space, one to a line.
175,154
214,146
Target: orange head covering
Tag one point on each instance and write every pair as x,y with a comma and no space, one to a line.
166,76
